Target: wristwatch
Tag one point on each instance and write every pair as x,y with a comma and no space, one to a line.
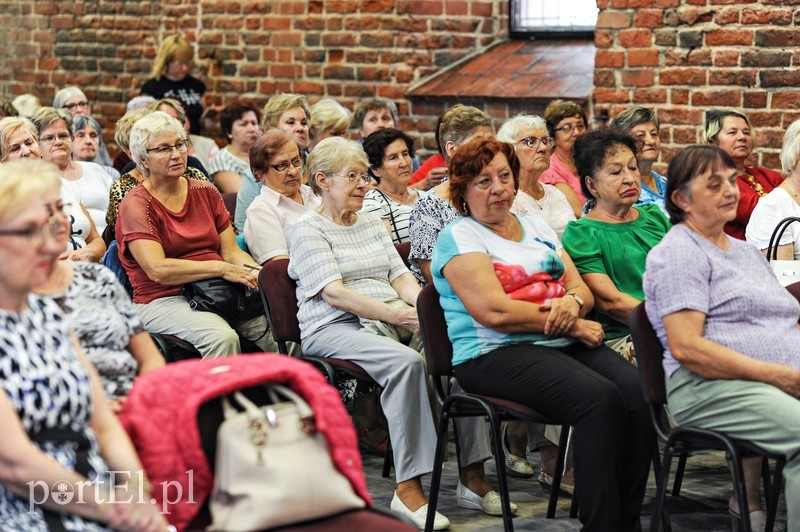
578,298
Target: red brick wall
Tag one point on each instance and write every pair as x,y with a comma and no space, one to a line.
682,57
346,49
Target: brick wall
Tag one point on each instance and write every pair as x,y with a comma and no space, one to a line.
682,57
346,49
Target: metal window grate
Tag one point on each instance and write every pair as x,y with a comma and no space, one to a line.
552,16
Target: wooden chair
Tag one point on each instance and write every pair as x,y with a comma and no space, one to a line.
439,354
682,440
279,295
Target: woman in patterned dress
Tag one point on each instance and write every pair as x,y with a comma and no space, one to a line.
59,442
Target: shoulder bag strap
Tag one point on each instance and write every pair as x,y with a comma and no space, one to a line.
775,239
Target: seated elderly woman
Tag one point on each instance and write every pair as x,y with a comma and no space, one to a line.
231,165
729,329
610,243
276,164
75,101
78,179
515,308
328,118
56,422
379,113
172,230
781,203
642,124
533,146
731,131
566,121
202,148
18,139
390,152
86,142
356,301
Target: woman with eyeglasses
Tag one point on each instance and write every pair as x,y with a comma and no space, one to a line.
533,146
172,230
18,139
172,79
276,163
231,166
566,121
390,153
75,101
57,426
356,302
84,186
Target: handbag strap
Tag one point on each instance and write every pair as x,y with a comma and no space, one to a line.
775,239
275,392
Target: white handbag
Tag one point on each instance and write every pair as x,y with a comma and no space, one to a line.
787,271
272,467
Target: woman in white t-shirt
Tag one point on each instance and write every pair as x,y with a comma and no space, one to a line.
782,202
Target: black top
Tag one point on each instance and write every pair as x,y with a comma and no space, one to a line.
189,91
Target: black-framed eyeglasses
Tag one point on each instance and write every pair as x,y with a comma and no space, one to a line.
567,128
63,137
354,177
166,150
297,162
75,105
37,234
533,142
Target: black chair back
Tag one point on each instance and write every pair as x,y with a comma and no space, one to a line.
278,293
404,250
433,328
649,356
229,198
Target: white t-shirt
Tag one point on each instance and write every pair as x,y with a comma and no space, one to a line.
92,190
769,211
554,206
81,225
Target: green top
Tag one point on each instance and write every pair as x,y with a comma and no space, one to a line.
616,250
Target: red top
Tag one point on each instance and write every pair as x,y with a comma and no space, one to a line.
434,161
748,197
189,234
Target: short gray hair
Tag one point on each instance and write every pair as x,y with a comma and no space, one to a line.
330,156
67,93
632,117
328,114
459,122
8,126
151,125
45,117
125,124
790,151
510,129
82,122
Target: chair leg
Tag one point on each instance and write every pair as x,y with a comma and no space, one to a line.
436,474
573,507
500,463
558,471
661,490
678,482
775,494
739,486
388,461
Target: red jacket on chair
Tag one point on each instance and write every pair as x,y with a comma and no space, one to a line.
160,415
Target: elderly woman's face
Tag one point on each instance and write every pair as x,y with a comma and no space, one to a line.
617,181
735,137
536,157
374,120
77,106
295,123
347,187
396,166
490,194
647,134
245,130
167,155
86,144
712,196
55,142
284,171
569,129
22,144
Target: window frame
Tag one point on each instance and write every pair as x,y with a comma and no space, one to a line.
544,33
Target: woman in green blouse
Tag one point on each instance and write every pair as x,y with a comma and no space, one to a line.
610,243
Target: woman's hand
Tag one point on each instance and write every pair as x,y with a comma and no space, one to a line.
433,178
564,312
408,318
83,254
128,513
241,275
787,380
589,333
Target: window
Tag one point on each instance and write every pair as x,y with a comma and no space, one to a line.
551,19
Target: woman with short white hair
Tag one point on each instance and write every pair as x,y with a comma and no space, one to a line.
75,101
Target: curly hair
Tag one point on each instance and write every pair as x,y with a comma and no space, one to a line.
469,160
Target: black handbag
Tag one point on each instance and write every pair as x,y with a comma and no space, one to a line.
233,301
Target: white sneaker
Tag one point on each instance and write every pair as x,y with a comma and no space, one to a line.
440,522
490,504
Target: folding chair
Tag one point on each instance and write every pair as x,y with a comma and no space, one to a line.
682,440
279,295
439,354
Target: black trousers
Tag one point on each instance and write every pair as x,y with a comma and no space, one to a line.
599,394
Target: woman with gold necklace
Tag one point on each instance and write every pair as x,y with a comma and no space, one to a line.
731,131
782,202
391,154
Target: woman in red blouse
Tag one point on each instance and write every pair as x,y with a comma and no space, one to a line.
731,131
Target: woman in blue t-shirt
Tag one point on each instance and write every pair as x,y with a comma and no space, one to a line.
515,308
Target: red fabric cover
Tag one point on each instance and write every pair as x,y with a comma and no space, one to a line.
160,416
769,179
190,234
434,161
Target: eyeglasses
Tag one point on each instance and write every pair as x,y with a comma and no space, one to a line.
567,128
354,177
297,162
75,105
37,234
533,142
63,137
166,151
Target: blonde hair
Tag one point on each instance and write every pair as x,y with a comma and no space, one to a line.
330,156
26,104
790,151
8,126
170,102
45,117
22,181
279,104
328,114
715,118
124,126
171,47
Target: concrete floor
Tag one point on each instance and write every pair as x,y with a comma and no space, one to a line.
702,506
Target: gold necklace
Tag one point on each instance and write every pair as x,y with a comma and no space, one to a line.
755,184
791,188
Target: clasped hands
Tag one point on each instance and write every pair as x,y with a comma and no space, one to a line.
564,320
